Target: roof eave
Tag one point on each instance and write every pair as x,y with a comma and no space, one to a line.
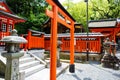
11,15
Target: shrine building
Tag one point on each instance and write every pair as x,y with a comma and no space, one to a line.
7,19
110,28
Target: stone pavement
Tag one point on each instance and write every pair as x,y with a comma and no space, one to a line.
91,71
45,73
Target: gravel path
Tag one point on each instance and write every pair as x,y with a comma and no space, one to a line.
91,71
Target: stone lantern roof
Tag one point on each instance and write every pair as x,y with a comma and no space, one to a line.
13,39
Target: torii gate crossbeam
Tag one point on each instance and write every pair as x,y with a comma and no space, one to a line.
53,14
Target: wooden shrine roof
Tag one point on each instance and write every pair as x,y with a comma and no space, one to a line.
11,15
78,35
102,23
6,11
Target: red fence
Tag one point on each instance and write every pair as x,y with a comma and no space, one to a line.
94,44
47,44
35,40
39,41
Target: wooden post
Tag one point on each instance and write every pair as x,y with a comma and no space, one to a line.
7,28
72,66
53,55
29,39
54,19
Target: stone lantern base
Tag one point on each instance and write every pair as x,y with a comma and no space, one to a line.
110,61
58,63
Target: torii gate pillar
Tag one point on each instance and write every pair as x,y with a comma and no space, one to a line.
53,55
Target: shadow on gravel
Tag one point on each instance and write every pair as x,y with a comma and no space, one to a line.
87,79
100,68
76,77
117,75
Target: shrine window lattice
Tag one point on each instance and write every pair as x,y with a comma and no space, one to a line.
4,26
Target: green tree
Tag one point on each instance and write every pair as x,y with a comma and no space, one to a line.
97,9
32,10
78,11
105,9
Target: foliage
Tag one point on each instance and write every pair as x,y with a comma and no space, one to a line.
105,9
32,10
97,9
78,11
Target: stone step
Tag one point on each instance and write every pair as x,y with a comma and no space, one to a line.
25,55
45,73
29,64
34,69
26,60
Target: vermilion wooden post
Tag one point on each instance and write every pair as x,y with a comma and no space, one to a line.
29,39
7,27
72,66
54,19
53,58
99,44
43,39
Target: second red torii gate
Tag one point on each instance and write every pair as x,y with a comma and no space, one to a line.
53,14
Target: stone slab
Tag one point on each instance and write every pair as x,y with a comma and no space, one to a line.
45,73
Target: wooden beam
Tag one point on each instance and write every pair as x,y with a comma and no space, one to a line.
59,10
64,23
64,14
49,13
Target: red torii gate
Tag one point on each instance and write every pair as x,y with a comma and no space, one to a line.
53,14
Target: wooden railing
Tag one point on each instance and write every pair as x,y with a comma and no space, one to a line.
35,40
94,44
41,41
47,44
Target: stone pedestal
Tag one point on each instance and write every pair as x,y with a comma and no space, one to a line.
110,62
58,53
58,58
106,61
12,65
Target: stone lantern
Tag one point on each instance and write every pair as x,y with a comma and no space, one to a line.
12,53
108,60
58,53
